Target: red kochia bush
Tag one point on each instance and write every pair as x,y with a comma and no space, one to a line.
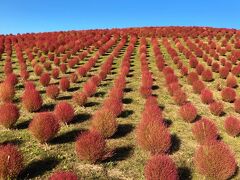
91,146
232,126
80,98
44,126
160,167
228,94
31,100
237,105
104,122
55,73
192,77
89,88
114,105
204,130
12,79
207,75
63,175
206,96
215,160
38,70
152,110
52,91
188,112
198,86
180,97
153,136
145,91
64,84
231,81
9,114
216,108
7,92
11,161
64,112
223,72
45,79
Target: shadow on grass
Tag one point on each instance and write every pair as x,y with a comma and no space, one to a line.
91,104
13,141
79,118
127,100
23,125
155,87
126,90
120,154
66,137
176,143
47,107
72,89
184,173
167,122
99,94
64,98
38,168
126,113
123,130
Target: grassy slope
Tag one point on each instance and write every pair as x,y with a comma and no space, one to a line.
128,161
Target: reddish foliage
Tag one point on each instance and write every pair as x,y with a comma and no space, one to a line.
152,110
153,136
160,167
114,105
64,112
45,79
216,108
11,161
173,87
91,146
228,94
52,91
12,79
232,126
104,122
44,126
73,77
188,112
145,91
207,75
7,92
199,69
89,88
192,77
204,130
207,96
171,78
223,72
180,97
31,100
231,81
38,70
9,114
64,84
55,73
237,105
63,175
215,160
80,98
198,86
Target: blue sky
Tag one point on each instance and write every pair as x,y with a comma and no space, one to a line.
21,16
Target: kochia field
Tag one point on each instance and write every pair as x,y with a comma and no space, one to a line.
137,103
